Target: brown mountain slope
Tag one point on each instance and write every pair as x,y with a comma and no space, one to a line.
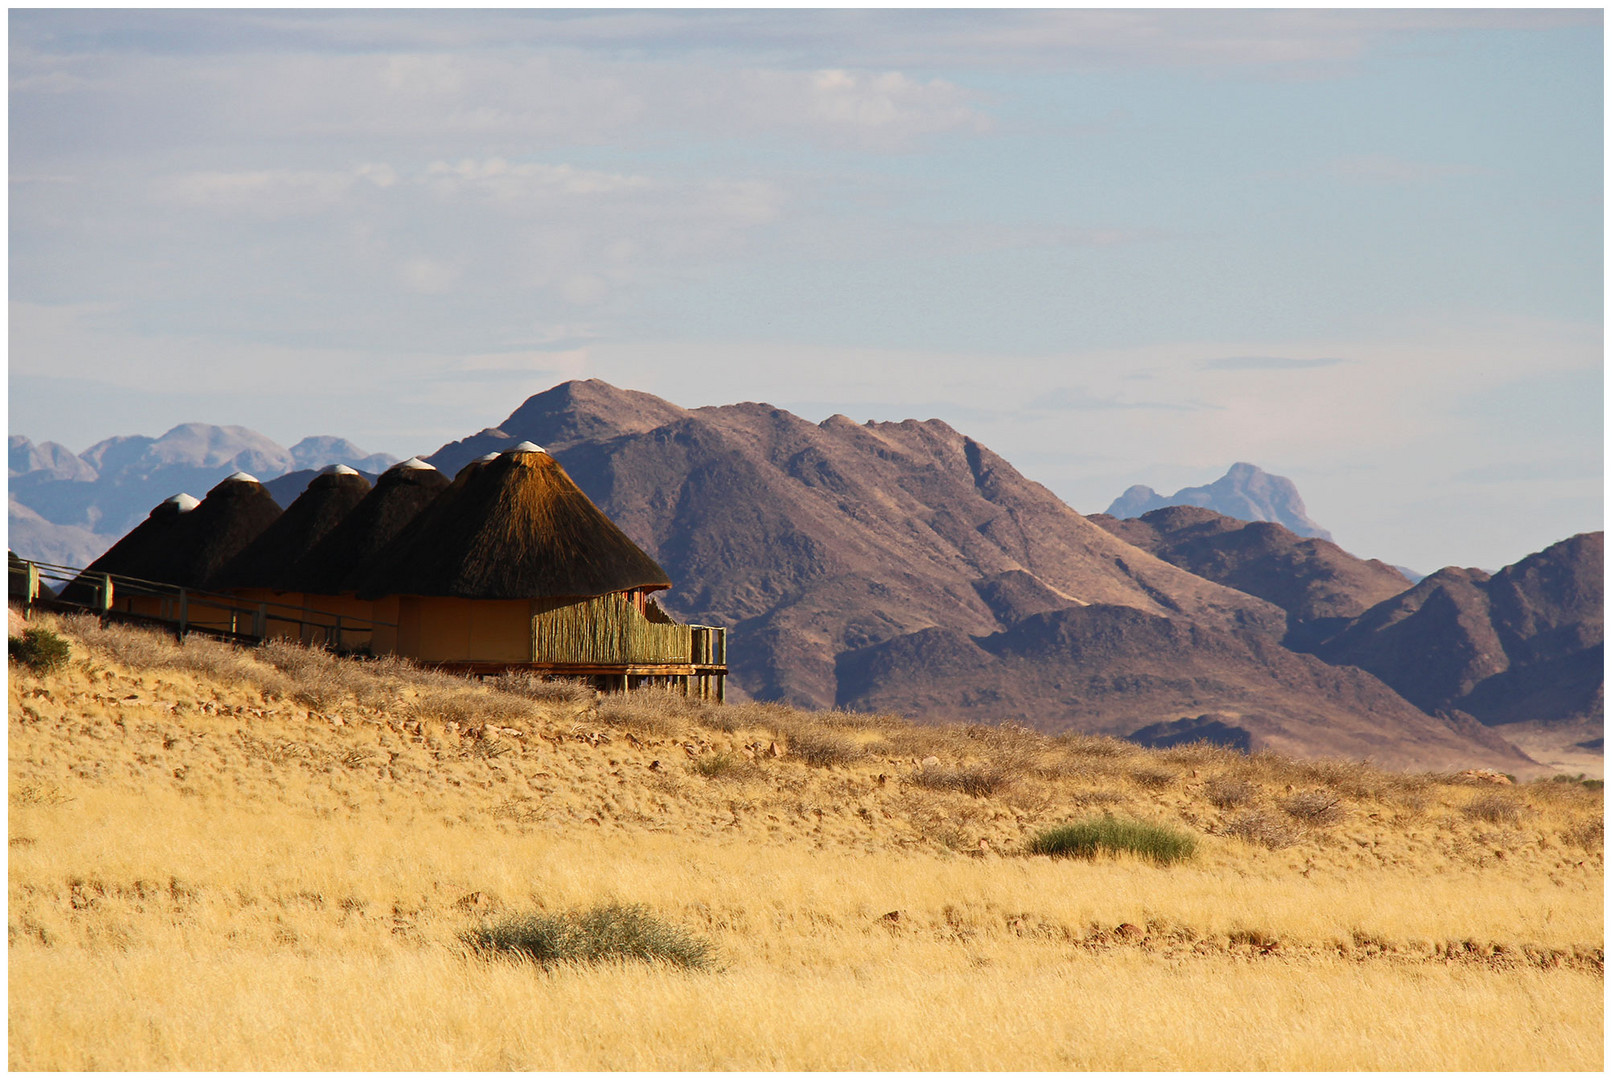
1522,646
810,539
1116,671
1315,581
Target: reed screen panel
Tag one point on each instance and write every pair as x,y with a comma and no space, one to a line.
604,630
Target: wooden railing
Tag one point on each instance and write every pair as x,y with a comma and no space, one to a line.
182,610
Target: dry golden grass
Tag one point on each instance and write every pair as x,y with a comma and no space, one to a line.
238,860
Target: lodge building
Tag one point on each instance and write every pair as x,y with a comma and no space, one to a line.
510,567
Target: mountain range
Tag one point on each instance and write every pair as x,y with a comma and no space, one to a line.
906,567
68,508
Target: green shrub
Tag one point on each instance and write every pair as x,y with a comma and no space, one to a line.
605,933
38,650
1085,839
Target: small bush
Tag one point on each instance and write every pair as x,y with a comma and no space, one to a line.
1589,835
724,766
38,650
975,780
1086,838
823,750
1228,793
1153,779
1095,745
564,692
1495,809
1257,827
606,933
1315,807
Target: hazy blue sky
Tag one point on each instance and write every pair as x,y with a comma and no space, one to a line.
1361,249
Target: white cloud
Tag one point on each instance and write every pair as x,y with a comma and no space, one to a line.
268,193
424,275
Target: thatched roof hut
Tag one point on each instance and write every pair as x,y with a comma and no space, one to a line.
265,563
515,527
152,551
235,513
348,549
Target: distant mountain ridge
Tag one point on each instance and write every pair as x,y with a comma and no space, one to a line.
1521,645
1246,492
1316,582
69,508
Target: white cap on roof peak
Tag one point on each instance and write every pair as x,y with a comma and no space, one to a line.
248,477
526,448
338,470
487,457
413,463
184,500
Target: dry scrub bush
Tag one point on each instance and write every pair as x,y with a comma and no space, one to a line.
1228,793
724,766
822,750
560,692
1266,830
1315,808
1153,779
1201,754
133,647
1494,808
142,648
1589,835
468,705
977,780
317,678
750,715
1098,746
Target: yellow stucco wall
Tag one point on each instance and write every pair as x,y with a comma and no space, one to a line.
442,628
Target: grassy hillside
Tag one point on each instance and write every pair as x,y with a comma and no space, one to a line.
270,860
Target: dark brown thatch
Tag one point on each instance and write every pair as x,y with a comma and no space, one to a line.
150,551
348,550
236,512
516,527
266,561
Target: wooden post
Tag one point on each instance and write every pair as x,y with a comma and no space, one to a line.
260,622
184,612
33,588
338,631
104,593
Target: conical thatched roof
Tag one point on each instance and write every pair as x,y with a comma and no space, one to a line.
349,549
235,513
266,561
151,551
516,527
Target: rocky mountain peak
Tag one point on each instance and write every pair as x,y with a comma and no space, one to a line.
1246,492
